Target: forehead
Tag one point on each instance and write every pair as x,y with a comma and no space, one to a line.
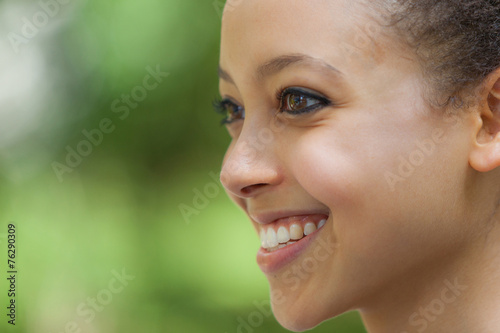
339,31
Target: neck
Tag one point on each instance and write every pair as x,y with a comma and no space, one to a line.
436,301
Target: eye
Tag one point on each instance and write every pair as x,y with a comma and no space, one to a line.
230,110
296,101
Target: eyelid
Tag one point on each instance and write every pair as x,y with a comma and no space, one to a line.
223,101
282,92
221,105
305,91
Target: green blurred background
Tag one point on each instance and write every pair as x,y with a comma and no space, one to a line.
63,63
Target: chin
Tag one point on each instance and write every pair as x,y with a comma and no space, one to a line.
296,323
298,316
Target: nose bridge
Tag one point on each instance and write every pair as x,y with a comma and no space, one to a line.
250,161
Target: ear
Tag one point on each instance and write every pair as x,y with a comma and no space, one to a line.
485,154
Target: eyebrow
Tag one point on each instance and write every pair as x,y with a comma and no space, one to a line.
279,63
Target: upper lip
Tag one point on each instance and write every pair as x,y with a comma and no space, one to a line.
269,217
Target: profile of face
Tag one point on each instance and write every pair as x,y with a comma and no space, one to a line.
356,186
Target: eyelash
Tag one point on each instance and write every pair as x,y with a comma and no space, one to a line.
222,106
303,92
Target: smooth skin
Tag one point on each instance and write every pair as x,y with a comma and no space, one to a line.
397,241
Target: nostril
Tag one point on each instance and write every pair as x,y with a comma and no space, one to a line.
247,190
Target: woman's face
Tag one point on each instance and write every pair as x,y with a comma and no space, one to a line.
335,127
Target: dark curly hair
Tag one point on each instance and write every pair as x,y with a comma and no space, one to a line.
456,41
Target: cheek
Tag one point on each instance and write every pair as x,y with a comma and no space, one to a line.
374,222
336,167
341,164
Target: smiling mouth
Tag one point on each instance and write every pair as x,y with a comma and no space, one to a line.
284,232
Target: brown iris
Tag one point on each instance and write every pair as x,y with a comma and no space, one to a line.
296,102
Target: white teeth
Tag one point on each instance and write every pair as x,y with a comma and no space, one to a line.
280,246
296,232
283,235
263,238
309,228
272,241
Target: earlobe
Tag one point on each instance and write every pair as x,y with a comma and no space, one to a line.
485,155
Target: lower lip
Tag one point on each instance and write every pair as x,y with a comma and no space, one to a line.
271,262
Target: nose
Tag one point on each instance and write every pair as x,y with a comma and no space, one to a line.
250,166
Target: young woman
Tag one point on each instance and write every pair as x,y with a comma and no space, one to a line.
365,151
